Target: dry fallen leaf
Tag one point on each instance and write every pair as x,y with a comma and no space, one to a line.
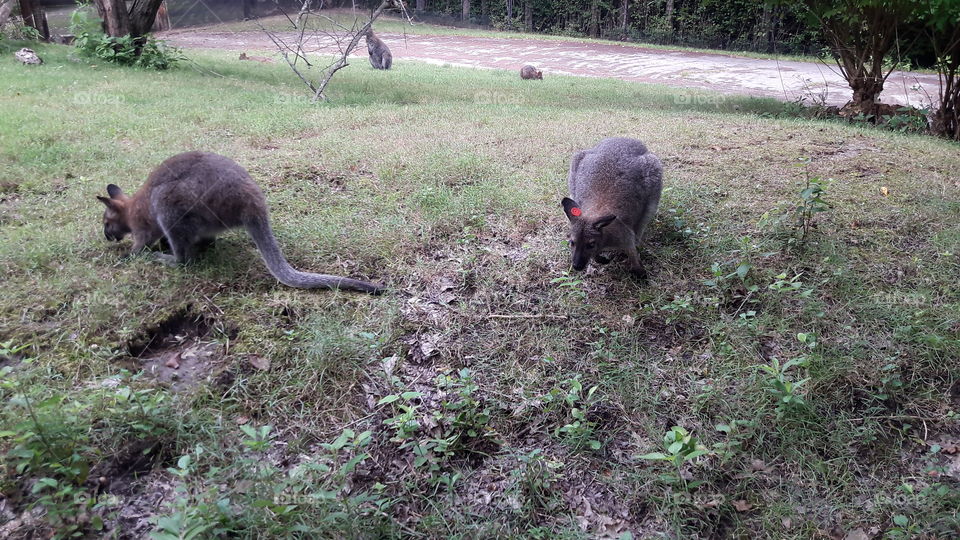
857,534
786,522
389,363
259,362
173,362
241,420
712,503
884,190
742,506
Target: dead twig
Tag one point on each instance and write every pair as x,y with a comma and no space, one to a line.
526,316
344,39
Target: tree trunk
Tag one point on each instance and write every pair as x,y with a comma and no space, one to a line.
465,14
866,90
34,16
765,30
248,6
946,119
624,16
6,8
26,12
595,18
420,6
668,15
509,10
142,15
116,21
485,11
528,15
137,22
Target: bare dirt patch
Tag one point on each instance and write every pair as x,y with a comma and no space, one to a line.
180,351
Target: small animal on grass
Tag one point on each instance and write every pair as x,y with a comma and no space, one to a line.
262,59
380,57
190,199
27,56
530,72
614,193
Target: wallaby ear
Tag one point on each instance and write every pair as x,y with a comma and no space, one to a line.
114,191
603,222
571,208
106,200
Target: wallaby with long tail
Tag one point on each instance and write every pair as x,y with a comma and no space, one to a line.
380,57
614,193
192,197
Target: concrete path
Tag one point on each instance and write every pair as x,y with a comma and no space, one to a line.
785,80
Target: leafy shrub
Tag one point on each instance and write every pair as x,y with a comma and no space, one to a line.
153,54
145,52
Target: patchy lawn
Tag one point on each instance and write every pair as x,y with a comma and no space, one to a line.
808,383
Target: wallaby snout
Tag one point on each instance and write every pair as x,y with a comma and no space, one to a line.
614,193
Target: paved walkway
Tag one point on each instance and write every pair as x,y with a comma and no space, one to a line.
785,80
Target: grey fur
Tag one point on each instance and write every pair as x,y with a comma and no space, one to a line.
191,198
616,186
530,72
380,57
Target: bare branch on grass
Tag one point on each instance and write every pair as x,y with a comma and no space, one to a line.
308,37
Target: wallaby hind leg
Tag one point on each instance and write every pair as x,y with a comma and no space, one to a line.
648,215
181,235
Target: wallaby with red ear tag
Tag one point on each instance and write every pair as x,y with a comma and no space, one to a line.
614,193
191,198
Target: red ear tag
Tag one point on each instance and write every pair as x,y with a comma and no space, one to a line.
575,212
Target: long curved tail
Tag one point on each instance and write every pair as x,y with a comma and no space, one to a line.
277,264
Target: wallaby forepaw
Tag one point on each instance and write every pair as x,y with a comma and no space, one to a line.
639,273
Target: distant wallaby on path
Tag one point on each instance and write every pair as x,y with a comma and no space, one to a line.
530,72
192,197
614,192
380,57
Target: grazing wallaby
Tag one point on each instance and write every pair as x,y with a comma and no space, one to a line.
380,57
244,56
614,189
530,72
192,197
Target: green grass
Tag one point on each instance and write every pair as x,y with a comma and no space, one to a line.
444,183
394,23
